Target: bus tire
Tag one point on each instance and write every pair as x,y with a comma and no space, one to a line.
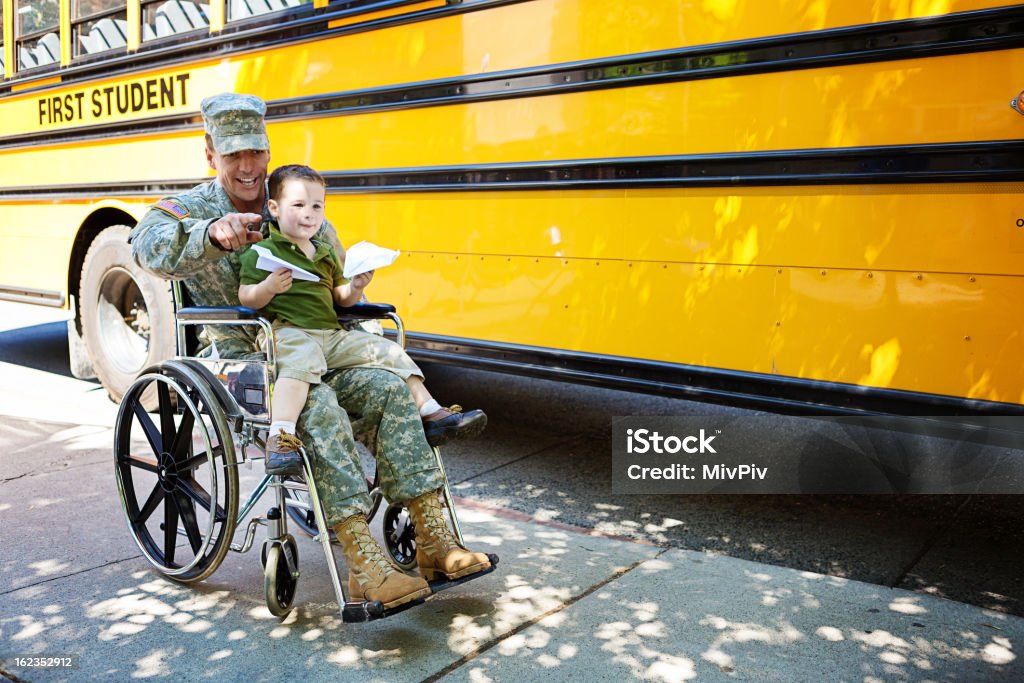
127,314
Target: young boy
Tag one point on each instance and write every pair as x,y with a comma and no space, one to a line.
309,338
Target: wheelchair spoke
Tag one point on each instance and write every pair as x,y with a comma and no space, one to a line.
156,442
407,547
199,459
166,413
183,438
188,519
151,503
194,490
170,529
142,463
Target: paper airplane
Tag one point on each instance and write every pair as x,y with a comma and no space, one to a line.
269,262
366,256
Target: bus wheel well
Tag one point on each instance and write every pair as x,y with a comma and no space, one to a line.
92,226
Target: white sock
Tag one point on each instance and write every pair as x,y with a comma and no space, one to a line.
278,427
429,408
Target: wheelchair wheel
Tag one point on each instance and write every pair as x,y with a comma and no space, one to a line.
279,582
400,536
176,472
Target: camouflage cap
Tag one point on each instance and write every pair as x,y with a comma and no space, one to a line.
235,122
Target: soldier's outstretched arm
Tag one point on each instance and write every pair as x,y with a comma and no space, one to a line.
174,243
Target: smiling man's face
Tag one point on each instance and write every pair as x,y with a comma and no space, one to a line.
243,176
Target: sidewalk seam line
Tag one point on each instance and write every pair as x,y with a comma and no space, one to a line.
45,473
901,577
11,677
480,649
515,460
65,576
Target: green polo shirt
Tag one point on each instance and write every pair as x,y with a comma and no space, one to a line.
306,304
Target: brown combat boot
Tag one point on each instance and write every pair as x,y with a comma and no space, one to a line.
370,575
438,553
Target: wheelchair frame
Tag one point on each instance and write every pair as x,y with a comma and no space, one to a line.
218,401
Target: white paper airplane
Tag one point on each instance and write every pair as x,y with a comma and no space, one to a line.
366,256
269,262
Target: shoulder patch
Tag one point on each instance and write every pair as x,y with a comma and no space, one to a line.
172,207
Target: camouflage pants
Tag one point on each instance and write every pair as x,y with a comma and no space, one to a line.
374,407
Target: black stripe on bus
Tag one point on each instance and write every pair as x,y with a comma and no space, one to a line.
955,34
94,191
691,382
998,161
946,163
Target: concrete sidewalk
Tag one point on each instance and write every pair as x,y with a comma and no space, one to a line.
563,605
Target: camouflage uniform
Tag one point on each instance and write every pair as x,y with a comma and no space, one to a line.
383,415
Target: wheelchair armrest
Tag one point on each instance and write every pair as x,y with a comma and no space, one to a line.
199,314
364,311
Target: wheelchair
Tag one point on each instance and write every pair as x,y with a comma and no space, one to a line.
177,468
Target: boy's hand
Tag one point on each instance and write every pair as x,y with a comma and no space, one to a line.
360,281
235,230
279,281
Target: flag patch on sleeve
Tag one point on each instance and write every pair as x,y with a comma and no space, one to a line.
172,207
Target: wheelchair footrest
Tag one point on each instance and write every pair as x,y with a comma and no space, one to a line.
439,585
359,612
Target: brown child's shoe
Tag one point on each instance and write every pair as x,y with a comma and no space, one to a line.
438,553
283,455
370,575
451,423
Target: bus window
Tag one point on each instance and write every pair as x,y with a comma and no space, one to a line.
98,26
36,43
240,9
1,40
171,17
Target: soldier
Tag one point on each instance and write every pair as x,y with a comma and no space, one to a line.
195,237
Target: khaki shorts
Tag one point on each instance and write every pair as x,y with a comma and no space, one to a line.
306,355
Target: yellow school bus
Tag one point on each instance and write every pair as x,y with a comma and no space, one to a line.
792,204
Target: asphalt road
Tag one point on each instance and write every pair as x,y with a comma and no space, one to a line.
547,453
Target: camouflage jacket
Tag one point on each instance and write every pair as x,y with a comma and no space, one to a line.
172,241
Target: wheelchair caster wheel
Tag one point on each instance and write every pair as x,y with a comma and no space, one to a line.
289,539
281,557
400,536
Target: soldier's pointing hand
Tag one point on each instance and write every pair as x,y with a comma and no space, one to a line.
235,230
